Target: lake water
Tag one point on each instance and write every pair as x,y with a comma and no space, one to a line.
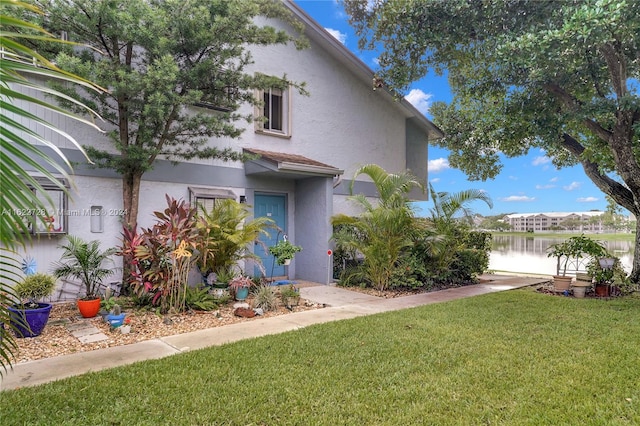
529,254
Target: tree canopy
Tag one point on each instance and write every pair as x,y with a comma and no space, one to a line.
159,59
560,76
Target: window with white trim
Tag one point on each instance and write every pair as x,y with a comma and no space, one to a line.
274,114
52,219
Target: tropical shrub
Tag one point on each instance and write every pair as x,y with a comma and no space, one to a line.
226,235
162,255
383,233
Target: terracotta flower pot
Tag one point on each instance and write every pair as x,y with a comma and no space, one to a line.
602,290
561,283
89,308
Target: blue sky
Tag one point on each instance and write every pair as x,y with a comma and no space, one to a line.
526,184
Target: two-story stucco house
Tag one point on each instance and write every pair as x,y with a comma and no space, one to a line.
309,148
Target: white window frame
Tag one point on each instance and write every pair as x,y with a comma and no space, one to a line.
48,221
263,124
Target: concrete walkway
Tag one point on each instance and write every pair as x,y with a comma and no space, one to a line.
342,304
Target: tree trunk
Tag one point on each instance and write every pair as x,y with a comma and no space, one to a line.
131,198
635,272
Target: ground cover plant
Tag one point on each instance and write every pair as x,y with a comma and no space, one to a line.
517,358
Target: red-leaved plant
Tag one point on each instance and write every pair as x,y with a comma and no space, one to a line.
159,253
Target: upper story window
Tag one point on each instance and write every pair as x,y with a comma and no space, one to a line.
274,115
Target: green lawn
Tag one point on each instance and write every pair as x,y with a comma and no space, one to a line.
510,358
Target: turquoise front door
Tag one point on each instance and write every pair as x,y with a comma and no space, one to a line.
273,207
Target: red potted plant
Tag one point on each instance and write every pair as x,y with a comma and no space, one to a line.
83,261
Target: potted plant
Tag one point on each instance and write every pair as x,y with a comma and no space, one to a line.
28,316
83,261
116,316
107,302
606,270
240,286
572,252
290,296
284,251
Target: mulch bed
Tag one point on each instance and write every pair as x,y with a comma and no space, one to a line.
57,340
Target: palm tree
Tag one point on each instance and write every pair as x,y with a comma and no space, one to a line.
83,261
447,207
384,230
18,149
228,234
445,236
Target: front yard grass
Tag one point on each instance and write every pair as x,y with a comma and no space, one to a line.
511,358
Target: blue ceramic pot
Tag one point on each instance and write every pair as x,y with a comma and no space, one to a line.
29,322
115,320
242,293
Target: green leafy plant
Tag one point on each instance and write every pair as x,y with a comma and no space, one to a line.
573,250
108,301
264,297
198,298
83,261
224,275
33,288
615,274
226,235
383,232
290,296
283,250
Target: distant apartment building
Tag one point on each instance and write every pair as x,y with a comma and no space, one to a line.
588,222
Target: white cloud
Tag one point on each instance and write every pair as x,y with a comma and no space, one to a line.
547,186
511,198
341,37
586,199
539,161
435,180
513,177
555,179
419,99
438,165
572,186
